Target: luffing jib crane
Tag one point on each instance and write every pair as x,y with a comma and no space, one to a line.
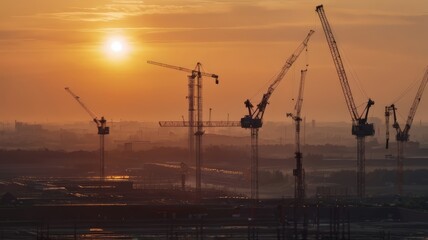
102,130
254,119
402,135
299,171
360,127
194,145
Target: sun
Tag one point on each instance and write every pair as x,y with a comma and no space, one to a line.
116,48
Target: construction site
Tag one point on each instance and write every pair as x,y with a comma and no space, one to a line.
235,178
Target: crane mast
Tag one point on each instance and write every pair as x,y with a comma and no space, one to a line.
195,129
360,127
254,119
299,172
402,135
102,130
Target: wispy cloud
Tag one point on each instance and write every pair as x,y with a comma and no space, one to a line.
108,12
194,21
116,10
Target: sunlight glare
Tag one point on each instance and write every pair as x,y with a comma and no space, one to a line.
116,48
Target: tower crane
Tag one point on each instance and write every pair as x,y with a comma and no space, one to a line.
102,130
402,135
360,127
194,146
299,172
254,122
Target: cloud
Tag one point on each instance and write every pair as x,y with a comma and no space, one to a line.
245,21
109,12
37,39
118,9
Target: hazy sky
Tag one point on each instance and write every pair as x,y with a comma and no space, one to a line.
46,45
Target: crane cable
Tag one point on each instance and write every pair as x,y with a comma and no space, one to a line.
403,118
296,81
263,87
352,73
267,83
407,90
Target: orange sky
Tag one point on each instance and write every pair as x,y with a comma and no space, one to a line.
47,45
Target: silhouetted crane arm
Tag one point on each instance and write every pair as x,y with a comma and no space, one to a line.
338,63
415,104
388,110
193,72
387,113
395,124
77,98
299,102
298,108
258,113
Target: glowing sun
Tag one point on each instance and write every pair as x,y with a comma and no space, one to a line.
116,48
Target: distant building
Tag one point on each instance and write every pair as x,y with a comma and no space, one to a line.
332,191
127,147
8,199
22,127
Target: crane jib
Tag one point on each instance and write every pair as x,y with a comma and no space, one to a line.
194,72
403,135
254,119
338,63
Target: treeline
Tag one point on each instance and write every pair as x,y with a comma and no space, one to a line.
376,178
42,155
380,177
273,178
